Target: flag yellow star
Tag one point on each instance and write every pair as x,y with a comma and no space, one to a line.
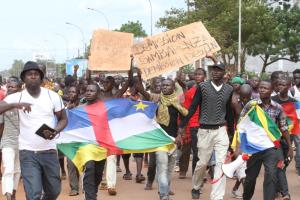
140,106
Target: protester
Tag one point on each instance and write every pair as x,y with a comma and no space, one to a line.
73,173
245,97
254,82
214,99
9,126
155,88
283,86
275,76
93,171
167,115
190,140
295,91
268,157
38,155
110,92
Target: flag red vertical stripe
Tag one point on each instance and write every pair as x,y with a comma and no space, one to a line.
97,113
290,111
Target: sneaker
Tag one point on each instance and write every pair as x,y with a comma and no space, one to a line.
195,194
236,194
112,191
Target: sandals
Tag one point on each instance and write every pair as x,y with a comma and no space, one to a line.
127,176
139,178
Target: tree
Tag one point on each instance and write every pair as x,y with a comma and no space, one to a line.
16,68
133,27
260,29
283,41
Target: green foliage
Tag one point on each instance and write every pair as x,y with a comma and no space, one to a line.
273,34
133,27
16,68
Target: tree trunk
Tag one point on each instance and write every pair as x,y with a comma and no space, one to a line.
265,64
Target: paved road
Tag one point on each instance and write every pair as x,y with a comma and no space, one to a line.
129,190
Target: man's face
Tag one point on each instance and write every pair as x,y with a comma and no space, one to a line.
236,87
168,87
296,78
91,93
12,87
217,73
118,80
107,85
245,97
255,82
283,86
199,76
265,89
32,78
157,87
72,93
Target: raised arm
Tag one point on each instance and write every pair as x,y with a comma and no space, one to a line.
140,86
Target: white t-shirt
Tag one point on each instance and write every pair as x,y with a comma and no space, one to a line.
42,112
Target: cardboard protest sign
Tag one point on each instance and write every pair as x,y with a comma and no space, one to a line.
170,50
110,51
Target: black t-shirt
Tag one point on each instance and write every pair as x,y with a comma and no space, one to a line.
278,100
172,128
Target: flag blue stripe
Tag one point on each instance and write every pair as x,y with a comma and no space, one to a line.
297,105
247,147
77,118
119,108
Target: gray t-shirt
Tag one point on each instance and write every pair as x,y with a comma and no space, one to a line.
11,130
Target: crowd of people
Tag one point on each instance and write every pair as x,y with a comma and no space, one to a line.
200,113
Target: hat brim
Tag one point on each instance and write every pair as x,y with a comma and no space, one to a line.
217,66
22,75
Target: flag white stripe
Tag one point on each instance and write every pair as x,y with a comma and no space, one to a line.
133,125
256,135
85,134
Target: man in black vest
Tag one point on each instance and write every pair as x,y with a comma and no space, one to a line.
214,98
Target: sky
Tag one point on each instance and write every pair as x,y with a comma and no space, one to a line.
33,27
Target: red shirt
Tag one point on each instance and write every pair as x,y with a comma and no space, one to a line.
189,95
2,94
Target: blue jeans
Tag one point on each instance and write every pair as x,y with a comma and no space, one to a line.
296,139
41,173
165,163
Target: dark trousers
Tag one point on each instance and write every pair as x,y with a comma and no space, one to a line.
282,185
184,159
194,141
92,178
40,172
151,167
269,158
73,176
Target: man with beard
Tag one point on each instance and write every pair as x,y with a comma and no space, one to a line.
38,155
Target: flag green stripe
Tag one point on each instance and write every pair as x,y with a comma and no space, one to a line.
147,140
70,149
272,126
80,153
